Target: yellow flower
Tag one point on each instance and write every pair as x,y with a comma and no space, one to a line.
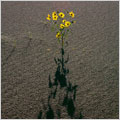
48,15
54,14
64,21
48,18
61,26
55,17
58,35
67,24
61,15
71,14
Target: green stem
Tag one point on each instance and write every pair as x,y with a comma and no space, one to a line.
62,53
62,42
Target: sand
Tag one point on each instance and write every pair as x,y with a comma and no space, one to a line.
26,64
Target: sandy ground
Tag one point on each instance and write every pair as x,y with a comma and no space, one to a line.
93,64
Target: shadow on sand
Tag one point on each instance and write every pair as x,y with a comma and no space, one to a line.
60,82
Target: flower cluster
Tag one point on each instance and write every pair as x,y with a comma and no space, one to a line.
58,18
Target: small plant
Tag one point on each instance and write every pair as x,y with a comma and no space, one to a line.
61,23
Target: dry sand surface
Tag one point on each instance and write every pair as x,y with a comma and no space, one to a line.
93,64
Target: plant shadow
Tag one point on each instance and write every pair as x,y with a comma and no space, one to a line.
60,82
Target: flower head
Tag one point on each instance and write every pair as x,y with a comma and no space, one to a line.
58,35
62,26
55,17
48,17
67,24
64,21
71,14
61,14
54,13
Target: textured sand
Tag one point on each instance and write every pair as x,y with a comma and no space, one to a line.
93,64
